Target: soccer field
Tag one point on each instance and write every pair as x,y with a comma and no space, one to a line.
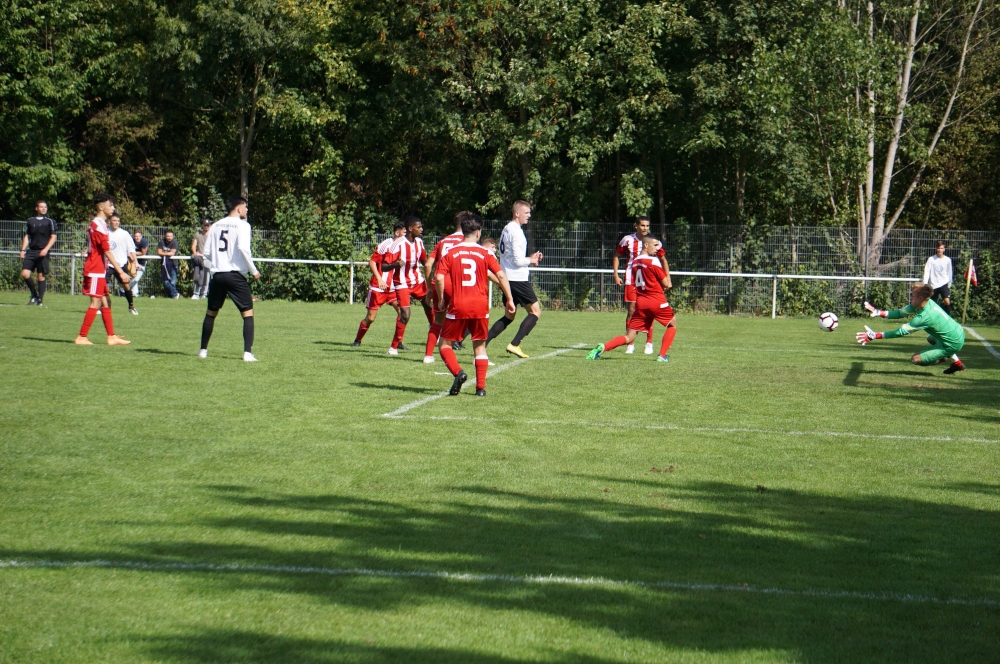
775,493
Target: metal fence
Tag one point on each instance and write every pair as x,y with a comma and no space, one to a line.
787,270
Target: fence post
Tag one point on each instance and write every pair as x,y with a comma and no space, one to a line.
72,275
350,296
600,301
774,298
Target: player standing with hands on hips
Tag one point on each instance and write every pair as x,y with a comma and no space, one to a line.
515,263
227,255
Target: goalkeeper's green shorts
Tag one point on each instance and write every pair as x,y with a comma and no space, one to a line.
937,352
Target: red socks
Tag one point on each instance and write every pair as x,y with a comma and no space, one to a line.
668,338
88,320
482,366
361,330
615,343
400,331
432,339
109,324
451,360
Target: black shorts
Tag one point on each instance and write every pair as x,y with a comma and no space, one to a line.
114,274
233,284
524,294
33,262
942,292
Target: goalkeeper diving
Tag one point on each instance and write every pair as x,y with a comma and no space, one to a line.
946,336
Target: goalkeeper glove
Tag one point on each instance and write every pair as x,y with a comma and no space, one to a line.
876,312
869,335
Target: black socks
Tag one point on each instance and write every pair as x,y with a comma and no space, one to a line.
526,326
497,329
41,289
206,331
247,334
31,287
128,296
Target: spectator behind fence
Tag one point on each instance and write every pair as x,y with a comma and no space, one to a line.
123,247
167,249
141,249
201,271
938,274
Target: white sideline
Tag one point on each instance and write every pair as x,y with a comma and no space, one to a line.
527,579
989,346
492,372
677,427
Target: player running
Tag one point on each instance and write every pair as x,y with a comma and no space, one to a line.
408,278
631,246
651,281
39,237
467,266
227,255
439,306
381,289
516,263
946,336
95,269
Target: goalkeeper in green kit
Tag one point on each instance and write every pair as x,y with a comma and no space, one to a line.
946,336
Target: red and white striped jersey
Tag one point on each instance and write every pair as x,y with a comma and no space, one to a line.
383,253
631,246
414,256
444,245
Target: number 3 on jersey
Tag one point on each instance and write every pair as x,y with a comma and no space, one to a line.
469,270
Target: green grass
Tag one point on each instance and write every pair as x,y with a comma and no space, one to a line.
149,454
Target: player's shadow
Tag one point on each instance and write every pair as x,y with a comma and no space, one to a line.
851,379
157,351
342,344
397,388
51,341
785,571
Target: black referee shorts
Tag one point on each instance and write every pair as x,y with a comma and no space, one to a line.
233,284
34,262
524,294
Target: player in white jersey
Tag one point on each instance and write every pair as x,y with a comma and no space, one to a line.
123,248
938,274
630,247
515,262
227,254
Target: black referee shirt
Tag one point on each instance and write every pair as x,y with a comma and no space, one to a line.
39,230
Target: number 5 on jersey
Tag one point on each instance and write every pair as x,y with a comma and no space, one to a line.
224,240
469,270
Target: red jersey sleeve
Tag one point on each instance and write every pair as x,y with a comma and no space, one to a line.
492,264
657,271
621,249
660,253
102,241
444,265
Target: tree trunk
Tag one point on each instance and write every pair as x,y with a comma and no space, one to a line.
659,197
248,132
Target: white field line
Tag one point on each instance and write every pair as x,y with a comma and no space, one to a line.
677,427
527,579
492,372
987,344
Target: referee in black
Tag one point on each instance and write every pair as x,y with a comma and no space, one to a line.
39,237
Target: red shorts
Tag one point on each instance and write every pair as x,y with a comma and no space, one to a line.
418,292
441,307
643,319
454,329
377,299
94,285
629,293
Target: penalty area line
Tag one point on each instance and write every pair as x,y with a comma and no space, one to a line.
677,427
984,342
527,579
492,372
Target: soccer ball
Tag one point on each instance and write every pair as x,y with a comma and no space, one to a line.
828,322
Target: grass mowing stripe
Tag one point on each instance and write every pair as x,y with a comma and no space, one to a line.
492,372
677,427
989,346
528,579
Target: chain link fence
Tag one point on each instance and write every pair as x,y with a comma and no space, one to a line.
580,255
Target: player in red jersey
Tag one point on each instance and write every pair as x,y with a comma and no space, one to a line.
381,289
630,247
650,280
468,265
95,270
409,278
440,306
